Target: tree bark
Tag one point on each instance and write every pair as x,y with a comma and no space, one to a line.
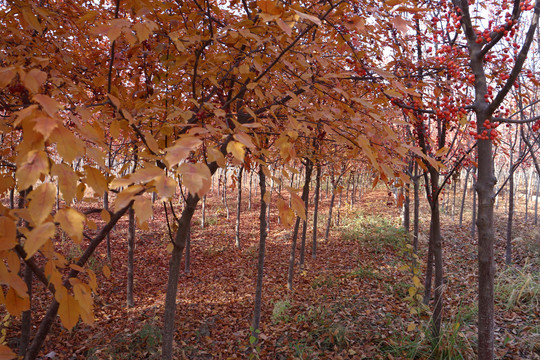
316,210
179,245
464,196
131,251
305,197
262,250
416,211
508,252
238,207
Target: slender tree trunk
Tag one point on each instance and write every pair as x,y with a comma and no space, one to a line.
454,200
106,207
238,207
416,211
269,203
437,258
203,212
473,223
187,260
174,274
429,267
293,254
26,318
464,196
131,250
250,182
406,209
262,249
508,253
332,201
305,195
536,200
225,194
526,183
316,210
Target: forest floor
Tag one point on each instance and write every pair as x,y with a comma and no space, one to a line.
348,303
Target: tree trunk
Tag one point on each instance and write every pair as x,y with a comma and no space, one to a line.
416,226
174,273
262,249
508,253
225,194
305,197
429,267
406,209
26,318
473,223
131,250
203,212
250,182
464,196
316,210
437,257
332,201
106,207
238,207
293,254
187,260
486,235
536,200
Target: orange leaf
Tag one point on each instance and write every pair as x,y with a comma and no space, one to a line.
181,149
15,304
29,172
196,177
69,311
143,208
72,222
106,271
41,202
37,237
96,180
8,233
48,104
67,180
33,79
6,353
45,126
237,149
165,186
69,147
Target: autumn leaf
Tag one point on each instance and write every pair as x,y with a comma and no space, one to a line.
72,222
126,195
67,180
29,172
45,125
37,237
16,304
34,79
181,149
8,233
41,202
68,311
237,149
298,206
285,213
48,104
143,208
165,186
6,353
95,179
69,147
106,271
196,177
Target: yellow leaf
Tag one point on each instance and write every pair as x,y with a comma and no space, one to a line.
68,311
151,142
29,172
31,19
196,177
106,271
6,353
69,147
48,104
82,294
92,282
142,31
298,206
269,7
237,149
15,304
126,195
217,156
72,222
6,75
105,215
97,155
8,233
416,282
45,126
33,79
411,327
146,174
165,186
37,237
95,179
41,202
181,149
244,139
143,208
311,18
6,182
285,213
67,180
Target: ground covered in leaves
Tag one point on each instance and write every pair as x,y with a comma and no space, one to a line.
352,301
